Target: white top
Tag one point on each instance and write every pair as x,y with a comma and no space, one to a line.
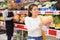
32,24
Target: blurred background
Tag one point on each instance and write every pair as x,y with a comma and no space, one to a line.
19,8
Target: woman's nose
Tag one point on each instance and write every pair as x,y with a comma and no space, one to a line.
37,10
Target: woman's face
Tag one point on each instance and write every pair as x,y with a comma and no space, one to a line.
34,10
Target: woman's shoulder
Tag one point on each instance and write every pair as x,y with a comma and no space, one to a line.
27,18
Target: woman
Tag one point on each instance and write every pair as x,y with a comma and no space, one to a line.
33,23
8,16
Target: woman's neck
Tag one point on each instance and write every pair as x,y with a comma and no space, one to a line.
34,16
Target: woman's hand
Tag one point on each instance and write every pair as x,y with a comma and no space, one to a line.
41,24
48,24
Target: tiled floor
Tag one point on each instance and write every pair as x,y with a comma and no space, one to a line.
4,37
52,38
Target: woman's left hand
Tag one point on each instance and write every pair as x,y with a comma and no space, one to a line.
41,24
48,24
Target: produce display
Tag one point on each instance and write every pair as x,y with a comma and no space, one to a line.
3,5
16,17
56,20
10,4
13,5
19,18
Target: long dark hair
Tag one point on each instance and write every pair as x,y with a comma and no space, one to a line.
30,8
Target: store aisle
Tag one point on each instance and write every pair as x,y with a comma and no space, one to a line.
52,38
3,37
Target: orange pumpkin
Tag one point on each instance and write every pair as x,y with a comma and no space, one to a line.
16,17
15,5
22,18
